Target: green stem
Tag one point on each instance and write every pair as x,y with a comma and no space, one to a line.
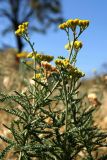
74,58
74,39
66,114
90,155
34,52
48,95
70,54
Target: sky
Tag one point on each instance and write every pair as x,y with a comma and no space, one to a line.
93,54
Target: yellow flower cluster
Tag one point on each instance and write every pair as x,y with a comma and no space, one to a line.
64,63
77,45
73,71
72,23
46,72
68,46
78,73
41,57
22,29
38,75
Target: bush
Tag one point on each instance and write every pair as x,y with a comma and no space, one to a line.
52,121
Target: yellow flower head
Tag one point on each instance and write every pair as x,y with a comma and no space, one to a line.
64,63
83,24
63,26
68,46
74,71
73,23
78,73
22,29
25,24
43,57
78,45
76,21
59,62
38,76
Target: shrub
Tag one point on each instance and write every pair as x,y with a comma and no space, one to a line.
52,122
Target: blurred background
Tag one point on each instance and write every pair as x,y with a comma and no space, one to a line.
44,17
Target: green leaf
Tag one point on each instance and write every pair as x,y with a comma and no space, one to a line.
15,112
6,140
5,151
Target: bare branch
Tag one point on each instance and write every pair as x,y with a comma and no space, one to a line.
28,15
3,12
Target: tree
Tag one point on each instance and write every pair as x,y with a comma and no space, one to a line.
42,12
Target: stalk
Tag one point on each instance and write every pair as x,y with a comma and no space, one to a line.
34,53
66,113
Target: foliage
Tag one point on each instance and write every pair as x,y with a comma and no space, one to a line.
52,121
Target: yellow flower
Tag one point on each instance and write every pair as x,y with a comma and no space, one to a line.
43,57
58,62
38,75
47,58
73,23
17,32
63,26
78,73
25,24
64,63
83,24
69,22
68,46
78,45
21,55
76,21
22,29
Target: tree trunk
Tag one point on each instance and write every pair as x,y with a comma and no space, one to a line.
19,43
